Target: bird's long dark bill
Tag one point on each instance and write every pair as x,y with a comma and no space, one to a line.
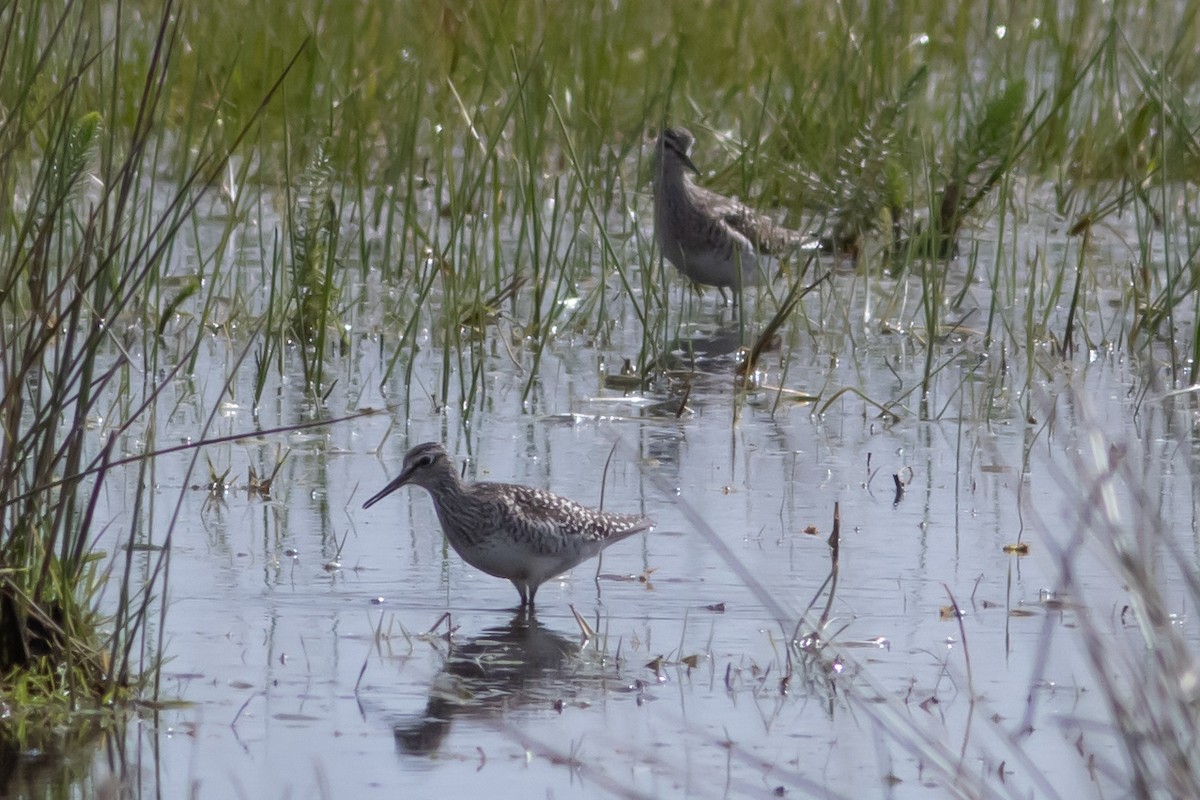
687,162
396,483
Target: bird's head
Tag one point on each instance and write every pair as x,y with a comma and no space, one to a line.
676,143
424,465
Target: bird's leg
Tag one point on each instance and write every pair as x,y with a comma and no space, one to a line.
599,564
525,601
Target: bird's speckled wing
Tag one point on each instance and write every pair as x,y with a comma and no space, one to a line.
766,236
547,516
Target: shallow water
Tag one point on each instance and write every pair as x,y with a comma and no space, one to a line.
296,628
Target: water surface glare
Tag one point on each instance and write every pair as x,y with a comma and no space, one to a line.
297,624
279,605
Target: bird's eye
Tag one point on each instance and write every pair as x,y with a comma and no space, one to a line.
424,461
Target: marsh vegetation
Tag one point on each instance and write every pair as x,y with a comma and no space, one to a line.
289,241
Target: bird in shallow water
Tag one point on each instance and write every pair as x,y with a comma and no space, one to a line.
713,239
524,534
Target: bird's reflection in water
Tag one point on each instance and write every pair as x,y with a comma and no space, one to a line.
705,349
696,368
521,664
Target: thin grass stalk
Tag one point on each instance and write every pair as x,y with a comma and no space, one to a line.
88,289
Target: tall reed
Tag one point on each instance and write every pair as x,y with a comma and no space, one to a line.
83,312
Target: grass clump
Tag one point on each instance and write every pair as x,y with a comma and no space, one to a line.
82,364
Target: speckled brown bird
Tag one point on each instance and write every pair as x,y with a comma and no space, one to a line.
524,534
713,239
